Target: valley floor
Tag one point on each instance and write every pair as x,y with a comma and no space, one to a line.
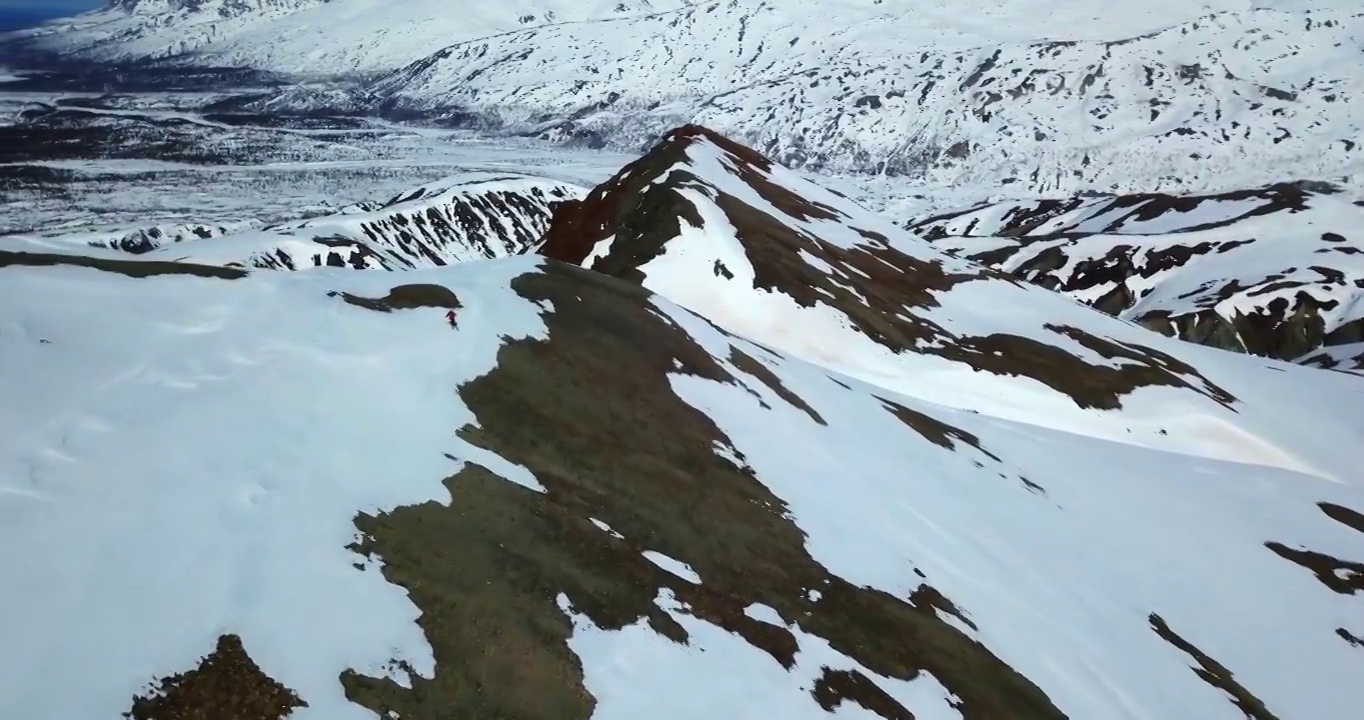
79,165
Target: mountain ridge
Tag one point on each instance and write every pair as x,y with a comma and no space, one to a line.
1197,101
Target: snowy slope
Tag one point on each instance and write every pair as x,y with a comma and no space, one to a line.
1276,271
1233,99
644,514
323,37
1030,95
472,216
770,256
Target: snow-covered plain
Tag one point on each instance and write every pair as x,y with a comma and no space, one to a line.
186,461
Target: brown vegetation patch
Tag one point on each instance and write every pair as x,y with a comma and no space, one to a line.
933,430
131,268
876,287
1214,673
625,206
405,297
747,364
1343,515
227,685
927,599
591,413
836,686
1089,386
1342,576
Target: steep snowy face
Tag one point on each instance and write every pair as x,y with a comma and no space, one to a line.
1276,271
300,494
1029,95
474,216
308,37
770,256
1233,100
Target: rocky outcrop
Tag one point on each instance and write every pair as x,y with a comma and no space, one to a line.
768,255
475,216
1276,271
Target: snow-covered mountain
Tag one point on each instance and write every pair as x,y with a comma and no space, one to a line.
473,216
1275,271
1250,97
1037,97
324,37
790,460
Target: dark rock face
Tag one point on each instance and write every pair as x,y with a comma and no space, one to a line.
1273,271
477,220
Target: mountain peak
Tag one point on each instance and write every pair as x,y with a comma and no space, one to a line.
769,255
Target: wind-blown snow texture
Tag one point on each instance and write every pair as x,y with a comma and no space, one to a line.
1035,96
1277,271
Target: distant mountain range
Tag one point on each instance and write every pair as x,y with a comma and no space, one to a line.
1022,97
716,442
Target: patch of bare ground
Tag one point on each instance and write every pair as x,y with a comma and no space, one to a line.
739,359
878,288
935,431
1341,576
1214,673
591,413
227,685
1088,385
130,268
405,297
1343,515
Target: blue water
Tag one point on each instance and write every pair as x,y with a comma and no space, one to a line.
20,18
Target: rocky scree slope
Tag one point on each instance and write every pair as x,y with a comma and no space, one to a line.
457,219
585,502
1276,271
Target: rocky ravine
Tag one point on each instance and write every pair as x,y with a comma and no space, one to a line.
1276,271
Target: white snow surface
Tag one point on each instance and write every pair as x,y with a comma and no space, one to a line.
1049,96
823,335
1054,97
632,674
183,457
1216,256
315,36
1126,498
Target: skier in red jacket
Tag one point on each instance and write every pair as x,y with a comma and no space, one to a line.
451,317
